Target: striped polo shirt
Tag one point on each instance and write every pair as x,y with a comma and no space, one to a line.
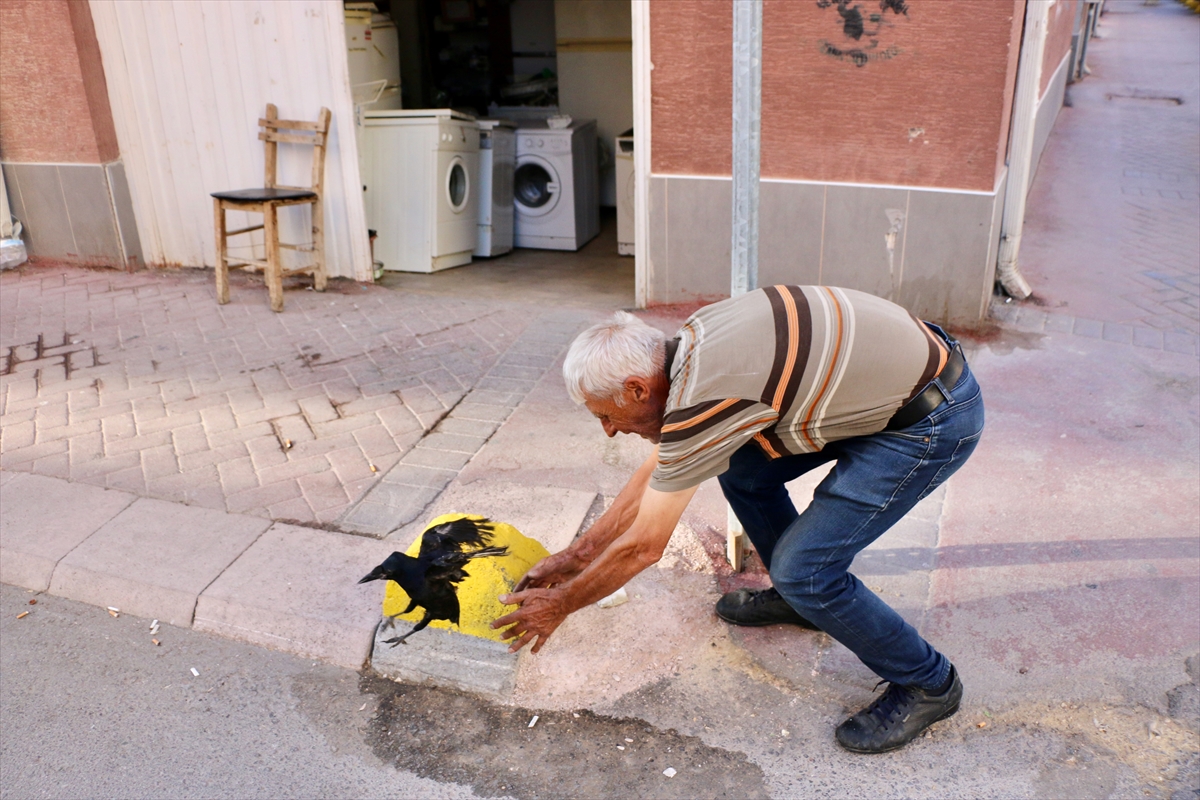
790,368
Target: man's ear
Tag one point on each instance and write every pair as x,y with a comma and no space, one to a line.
637,388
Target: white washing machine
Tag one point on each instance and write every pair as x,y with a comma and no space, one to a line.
556,186
625,193
420,168
497,160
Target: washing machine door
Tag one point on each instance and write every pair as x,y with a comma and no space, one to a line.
536,186
457,185
457,211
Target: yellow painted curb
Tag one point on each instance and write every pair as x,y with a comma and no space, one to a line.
487,579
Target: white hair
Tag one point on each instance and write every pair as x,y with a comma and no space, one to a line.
605,355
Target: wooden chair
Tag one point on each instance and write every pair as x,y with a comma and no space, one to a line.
268,200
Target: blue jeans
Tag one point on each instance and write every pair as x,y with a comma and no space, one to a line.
875,481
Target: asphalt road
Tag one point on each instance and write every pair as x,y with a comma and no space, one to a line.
92,708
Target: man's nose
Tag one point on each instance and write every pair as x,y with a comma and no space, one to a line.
609,428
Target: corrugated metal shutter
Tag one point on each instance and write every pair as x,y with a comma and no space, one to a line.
188,80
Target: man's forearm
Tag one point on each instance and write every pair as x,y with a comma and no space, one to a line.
620,515
637,548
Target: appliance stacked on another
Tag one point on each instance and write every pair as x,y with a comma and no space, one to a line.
625,193
497,160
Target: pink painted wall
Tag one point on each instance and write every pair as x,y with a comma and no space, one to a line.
53,99
921,97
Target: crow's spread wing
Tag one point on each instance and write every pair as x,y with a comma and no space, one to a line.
452,574
456,536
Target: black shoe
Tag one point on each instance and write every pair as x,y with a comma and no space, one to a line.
897,716
756,609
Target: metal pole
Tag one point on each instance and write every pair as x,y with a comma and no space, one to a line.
747,106
747,112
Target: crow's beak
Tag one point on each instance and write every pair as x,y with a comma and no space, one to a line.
372,576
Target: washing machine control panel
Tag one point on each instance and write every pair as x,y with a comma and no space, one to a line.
545,144
457,136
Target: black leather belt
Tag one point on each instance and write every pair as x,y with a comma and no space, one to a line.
931,396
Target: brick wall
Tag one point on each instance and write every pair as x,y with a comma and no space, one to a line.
53,100
921,97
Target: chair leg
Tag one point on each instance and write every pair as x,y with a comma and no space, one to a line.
318,220
222,266
274,271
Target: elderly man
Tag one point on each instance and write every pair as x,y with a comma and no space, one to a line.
756,391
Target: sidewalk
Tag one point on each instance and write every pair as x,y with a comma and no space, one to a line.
146,466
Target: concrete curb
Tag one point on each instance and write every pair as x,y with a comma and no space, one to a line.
280,586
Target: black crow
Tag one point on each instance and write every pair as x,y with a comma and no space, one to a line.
430,579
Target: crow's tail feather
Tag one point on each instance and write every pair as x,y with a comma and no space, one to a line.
487,551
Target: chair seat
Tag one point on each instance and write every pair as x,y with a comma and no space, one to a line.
263,195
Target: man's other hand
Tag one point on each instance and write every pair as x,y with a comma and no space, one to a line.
541,612
552,570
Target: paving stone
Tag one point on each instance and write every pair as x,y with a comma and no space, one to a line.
479,411
293,469
128,480
441,459
453,442
1115,332
374,442
1179,343
14,437
52,414
350,464
346,425
54,466
266,451
1058,323
419,476
322,490
158,462
296,589
370,518
154,558
239,435
367,405
295,510
137,443
318,409
1090,328
1148,337
237,475
261,497
467,427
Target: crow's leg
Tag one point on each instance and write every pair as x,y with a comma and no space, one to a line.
400,639
390,622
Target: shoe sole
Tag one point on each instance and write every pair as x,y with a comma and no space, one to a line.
947,715
763,624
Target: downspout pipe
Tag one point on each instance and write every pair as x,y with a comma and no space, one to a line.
747,115
1020,165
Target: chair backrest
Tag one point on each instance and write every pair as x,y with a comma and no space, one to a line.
275,130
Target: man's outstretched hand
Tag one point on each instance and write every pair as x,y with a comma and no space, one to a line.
541,612
551,570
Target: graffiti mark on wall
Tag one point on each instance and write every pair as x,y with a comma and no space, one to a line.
863,30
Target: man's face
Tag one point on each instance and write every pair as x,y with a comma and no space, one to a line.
641,414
